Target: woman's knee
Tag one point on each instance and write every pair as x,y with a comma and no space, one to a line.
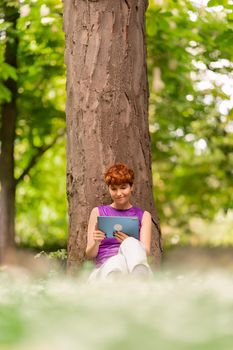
116,263
131,242
134,253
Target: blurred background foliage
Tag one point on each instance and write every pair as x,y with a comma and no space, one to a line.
191,124
191,97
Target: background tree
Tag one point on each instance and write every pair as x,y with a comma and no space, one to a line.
32,117
7,134
107,103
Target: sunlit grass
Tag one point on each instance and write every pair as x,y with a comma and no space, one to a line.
174,310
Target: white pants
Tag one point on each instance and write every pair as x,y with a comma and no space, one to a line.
131,253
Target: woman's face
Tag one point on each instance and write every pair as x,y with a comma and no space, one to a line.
120,194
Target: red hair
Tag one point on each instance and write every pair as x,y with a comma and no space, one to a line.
119,174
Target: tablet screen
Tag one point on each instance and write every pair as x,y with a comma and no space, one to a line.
127,224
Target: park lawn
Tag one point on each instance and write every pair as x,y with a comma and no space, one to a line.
174,310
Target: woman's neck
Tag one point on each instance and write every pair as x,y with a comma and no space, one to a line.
121,207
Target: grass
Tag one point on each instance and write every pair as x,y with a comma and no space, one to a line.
175,310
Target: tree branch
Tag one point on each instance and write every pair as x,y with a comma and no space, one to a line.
40,151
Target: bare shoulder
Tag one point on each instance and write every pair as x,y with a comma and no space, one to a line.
146,216
94,212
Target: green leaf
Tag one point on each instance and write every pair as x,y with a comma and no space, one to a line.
8,71
230,17
212,3
151,29
5,94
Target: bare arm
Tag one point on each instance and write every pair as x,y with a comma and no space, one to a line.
94,236
145,232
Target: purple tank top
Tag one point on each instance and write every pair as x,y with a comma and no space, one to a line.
110,246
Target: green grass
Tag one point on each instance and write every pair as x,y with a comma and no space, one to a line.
174,310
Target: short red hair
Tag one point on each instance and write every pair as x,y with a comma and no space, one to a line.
119,174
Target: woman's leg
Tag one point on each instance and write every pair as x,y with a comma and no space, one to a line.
113,266
93,275
135,256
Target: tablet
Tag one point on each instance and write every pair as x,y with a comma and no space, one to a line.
127,224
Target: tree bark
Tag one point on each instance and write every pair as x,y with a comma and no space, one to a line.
107,109
7,137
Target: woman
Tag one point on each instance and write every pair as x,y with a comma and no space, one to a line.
122,254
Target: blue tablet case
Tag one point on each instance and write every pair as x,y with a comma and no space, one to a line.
126,224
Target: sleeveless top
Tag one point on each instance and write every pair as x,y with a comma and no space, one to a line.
110,246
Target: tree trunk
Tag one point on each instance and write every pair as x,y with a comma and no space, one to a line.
107,109
7,137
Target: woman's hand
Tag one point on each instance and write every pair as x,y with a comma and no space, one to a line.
98,236
120,236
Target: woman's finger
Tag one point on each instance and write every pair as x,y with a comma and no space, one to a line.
122,234
99,235
118,238
99,232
